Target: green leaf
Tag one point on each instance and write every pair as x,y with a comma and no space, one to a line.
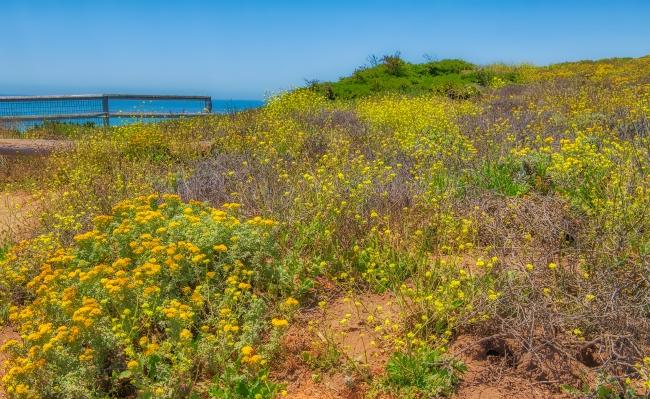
242,389
255,390
263,372
307,357
569,389
125,374
604,391
307,284
153,360
457,303
460,366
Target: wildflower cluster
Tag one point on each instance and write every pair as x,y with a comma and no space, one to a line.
156,292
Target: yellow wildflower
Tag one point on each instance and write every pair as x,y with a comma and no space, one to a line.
279,322
185,334
247,350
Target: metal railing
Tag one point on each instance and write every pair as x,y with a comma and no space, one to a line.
93,107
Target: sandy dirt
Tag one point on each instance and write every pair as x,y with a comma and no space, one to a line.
489,375
492,372
15,220
32,147
318,329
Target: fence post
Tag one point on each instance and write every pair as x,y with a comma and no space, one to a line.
107,122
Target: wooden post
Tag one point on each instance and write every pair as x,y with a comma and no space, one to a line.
107,122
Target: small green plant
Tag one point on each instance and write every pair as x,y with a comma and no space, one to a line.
58,130
423,371
237,384
4,248
502,177
326,359
394,64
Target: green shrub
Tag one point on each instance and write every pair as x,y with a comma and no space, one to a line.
392,74
505,177
425,371
447,67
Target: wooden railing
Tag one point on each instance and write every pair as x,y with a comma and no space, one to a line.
88,107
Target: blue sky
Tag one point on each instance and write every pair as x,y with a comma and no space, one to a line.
239,48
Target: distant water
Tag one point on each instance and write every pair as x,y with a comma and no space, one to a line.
181,106
127,107
175,106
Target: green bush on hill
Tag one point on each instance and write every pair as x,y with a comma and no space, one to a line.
451,77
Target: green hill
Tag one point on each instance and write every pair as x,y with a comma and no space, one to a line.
453,77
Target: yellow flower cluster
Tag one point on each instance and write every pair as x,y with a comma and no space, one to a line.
279,323
146,265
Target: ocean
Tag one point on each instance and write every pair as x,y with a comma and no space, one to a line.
181,106
174,106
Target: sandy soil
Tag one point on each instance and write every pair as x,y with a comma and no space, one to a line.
32,147
492,375
15,222
353,339
492,372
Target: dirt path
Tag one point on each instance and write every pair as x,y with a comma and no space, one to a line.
46,147
490,372
32,147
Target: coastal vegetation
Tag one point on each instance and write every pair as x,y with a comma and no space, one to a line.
451,77
373,237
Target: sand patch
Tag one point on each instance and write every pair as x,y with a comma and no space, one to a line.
16,216
495,371
323,357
